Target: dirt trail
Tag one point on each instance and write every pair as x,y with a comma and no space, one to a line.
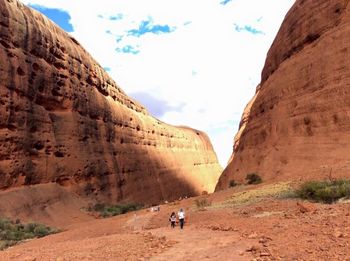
127,238
192,243
200,244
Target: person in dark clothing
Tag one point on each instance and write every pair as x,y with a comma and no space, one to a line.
172,219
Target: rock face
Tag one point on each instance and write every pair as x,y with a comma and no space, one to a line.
64,120
298,124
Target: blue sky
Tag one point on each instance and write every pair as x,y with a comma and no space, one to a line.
127,49
147,26
224,2
156,107
248,29
190,62
60,17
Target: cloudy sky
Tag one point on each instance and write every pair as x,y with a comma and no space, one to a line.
190,62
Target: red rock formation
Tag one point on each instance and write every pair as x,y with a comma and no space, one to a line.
64,120
298,126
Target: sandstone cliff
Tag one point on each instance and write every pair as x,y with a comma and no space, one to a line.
298,126
64,120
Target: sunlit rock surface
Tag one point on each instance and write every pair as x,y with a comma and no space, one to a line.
298,124
64,120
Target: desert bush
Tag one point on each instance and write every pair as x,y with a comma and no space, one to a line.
202,203
13,232
41,231
253,178
4,224
30,227
232,183
324,191
109,211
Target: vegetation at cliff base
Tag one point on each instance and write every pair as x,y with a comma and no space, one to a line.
324,191
113,210
12,232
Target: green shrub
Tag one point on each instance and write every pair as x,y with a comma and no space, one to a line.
324,191
13,232
41,231
253,178
13,235
30,227
130,207
109,211
4,224
202,203
232,183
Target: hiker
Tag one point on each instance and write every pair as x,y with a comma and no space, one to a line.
181,215
172,219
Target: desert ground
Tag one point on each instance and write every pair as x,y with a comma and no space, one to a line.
257,222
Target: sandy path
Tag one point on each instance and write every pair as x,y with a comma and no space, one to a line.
199,244
193,243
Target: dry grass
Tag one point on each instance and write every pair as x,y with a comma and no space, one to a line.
278,190
202,204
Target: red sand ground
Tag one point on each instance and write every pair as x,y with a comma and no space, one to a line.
254,227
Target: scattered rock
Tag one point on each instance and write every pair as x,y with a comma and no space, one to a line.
338,234
253,236
265,254
253,248
303,208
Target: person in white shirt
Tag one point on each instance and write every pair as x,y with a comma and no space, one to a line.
181,215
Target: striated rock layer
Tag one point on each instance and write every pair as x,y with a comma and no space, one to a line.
64,120
298,124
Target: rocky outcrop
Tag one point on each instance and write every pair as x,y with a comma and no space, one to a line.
64,120
298,126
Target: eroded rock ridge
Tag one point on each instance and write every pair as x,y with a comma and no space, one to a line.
298,124
64,120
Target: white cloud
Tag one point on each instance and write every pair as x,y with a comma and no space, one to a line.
204,63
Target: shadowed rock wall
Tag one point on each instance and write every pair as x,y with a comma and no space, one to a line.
64,120
298,124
